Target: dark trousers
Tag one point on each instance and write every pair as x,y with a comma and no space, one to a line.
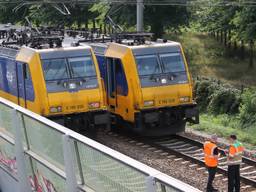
234,178
212,172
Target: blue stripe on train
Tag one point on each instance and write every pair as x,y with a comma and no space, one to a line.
12,81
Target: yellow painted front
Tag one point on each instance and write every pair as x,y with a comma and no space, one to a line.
74,102
163,96
77,102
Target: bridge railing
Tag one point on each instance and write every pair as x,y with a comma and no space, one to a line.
40,155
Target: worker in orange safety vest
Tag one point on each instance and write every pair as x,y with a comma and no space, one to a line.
234,158
211,155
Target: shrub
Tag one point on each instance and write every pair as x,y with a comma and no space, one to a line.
224,101
215,97
247,114
204,88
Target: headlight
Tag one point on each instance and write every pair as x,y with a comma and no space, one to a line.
94,105
148,103
163,81
56,109
184,99
72,85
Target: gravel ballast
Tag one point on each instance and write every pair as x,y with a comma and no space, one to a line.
169,164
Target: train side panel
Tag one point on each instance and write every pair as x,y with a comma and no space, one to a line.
8,80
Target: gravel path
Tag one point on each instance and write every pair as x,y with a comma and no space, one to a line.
166,163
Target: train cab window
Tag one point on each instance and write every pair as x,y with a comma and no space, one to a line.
55,69
82,67
172,62
60,73
148,65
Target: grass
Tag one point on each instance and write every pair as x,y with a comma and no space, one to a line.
223,126
208,57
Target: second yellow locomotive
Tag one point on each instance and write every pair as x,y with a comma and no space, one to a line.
148,85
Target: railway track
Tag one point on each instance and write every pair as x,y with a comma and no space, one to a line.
192,150
180,151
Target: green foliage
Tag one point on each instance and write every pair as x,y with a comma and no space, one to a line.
247,114
238,20
217,98
160,18
204,90
225,125
168,17
224,101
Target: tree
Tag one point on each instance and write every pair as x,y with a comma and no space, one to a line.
160,18
238,21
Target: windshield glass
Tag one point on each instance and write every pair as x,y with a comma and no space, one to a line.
172,62
55,69
148,65
68,68
159,69
81,67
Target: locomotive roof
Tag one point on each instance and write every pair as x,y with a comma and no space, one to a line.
149,47
10,46
15,37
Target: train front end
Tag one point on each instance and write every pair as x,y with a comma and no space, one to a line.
166,100
71,88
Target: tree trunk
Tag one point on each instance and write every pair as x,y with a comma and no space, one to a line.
109,29
105,28
94,24
86,24
242,51
157,28
235,45
221,36
251,54
225,38
229,39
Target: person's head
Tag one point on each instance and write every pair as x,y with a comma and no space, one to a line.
214,138
232,138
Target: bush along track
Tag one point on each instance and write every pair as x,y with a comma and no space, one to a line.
226,109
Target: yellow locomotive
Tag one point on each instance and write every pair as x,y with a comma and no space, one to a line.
148,85
52,78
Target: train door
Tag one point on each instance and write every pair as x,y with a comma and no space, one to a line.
111,89
25,85
117,86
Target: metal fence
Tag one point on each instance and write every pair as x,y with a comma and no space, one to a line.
37,155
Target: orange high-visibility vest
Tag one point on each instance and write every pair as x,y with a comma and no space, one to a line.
209,157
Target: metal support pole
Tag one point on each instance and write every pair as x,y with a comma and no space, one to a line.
140,14
150,184
69,164
20,156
